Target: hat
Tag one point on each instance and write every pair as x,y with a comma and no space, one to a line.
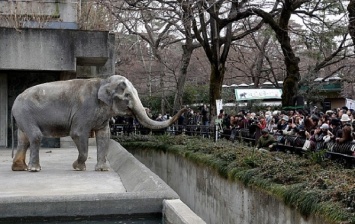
285,118
344,118
335,121
329,112
344,108
314,117
265,130
324,126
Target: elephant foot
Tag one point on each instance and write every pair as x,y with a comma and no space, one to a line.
79,167
19,166
101,167
34,168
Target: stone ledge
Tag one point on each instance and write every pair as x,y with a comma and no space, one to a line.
176,212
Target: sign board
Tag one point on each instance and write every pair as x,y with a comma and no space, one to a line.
257,94
219,105
350,104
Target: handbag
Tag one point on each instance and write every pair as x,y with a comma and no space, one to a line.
306,145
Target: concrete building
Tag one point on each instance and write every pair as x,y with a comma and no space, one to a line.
41,41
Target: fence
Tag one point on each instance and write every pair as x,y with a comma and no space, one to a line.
288,143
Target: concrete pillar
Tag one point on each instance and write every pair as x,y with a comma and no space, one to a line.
3,110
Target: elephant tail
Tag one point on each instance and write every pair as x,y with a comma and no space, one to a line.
12,135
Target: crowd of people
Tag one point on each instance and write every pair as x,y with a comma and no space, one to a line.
270,127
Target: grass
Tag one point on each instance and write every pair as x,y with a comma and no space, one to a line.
311,184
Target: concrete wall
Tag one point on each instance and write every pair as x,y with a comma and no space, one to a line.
177,212
141,181
42,36
215,199
3,110
64,9
17,82
53,50
48,14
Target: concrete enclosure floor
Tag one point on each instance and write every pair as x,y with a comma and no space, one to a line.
57,176
127,189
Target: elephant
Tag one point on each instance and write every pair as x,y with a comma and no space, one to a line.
76,108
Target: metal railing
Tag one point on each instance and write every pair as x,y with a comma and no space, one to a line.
291,143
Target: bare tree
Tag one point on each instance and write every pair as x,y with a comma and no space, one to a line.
218,25
160,24
216,37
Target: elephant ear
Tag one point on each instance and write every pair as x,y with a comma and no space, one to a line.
110,90
105,93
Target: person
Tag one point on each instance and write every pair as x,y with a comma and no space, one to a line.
310,124
262,123
290,128
241,122
221,114
346,135
335,128
283,123
342,144
317,139
328,135
345,119
159,118
266,141
204,113
130,125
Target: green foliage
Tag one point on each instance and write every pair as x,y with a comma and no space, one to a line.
192,95
310,90
228,95
196,94
154,103
317,156
306,202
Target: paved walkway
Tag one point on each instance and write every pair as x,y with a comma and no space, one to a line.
57,176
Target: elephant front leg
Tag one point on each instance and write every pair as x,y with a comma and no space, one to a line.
35,143
81,143
19,163
102,140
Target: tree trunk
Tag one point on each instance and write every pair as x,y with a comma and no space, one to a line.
290,85
185,61
162,87
260,60
351,26
280,27
216,81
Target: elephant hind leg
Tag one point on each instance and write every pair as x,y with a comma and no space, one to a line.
19,163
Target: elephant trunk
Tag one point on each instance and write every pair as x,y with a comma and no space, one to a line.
141,115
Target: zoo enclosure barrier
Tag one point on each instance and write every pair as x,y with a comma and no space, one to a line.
344,152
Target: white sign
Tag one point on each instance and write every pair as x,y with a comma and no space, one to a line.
219,105
350,104
256,94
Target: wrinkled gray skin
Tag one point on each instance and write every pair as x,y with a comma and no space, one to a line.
75,108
